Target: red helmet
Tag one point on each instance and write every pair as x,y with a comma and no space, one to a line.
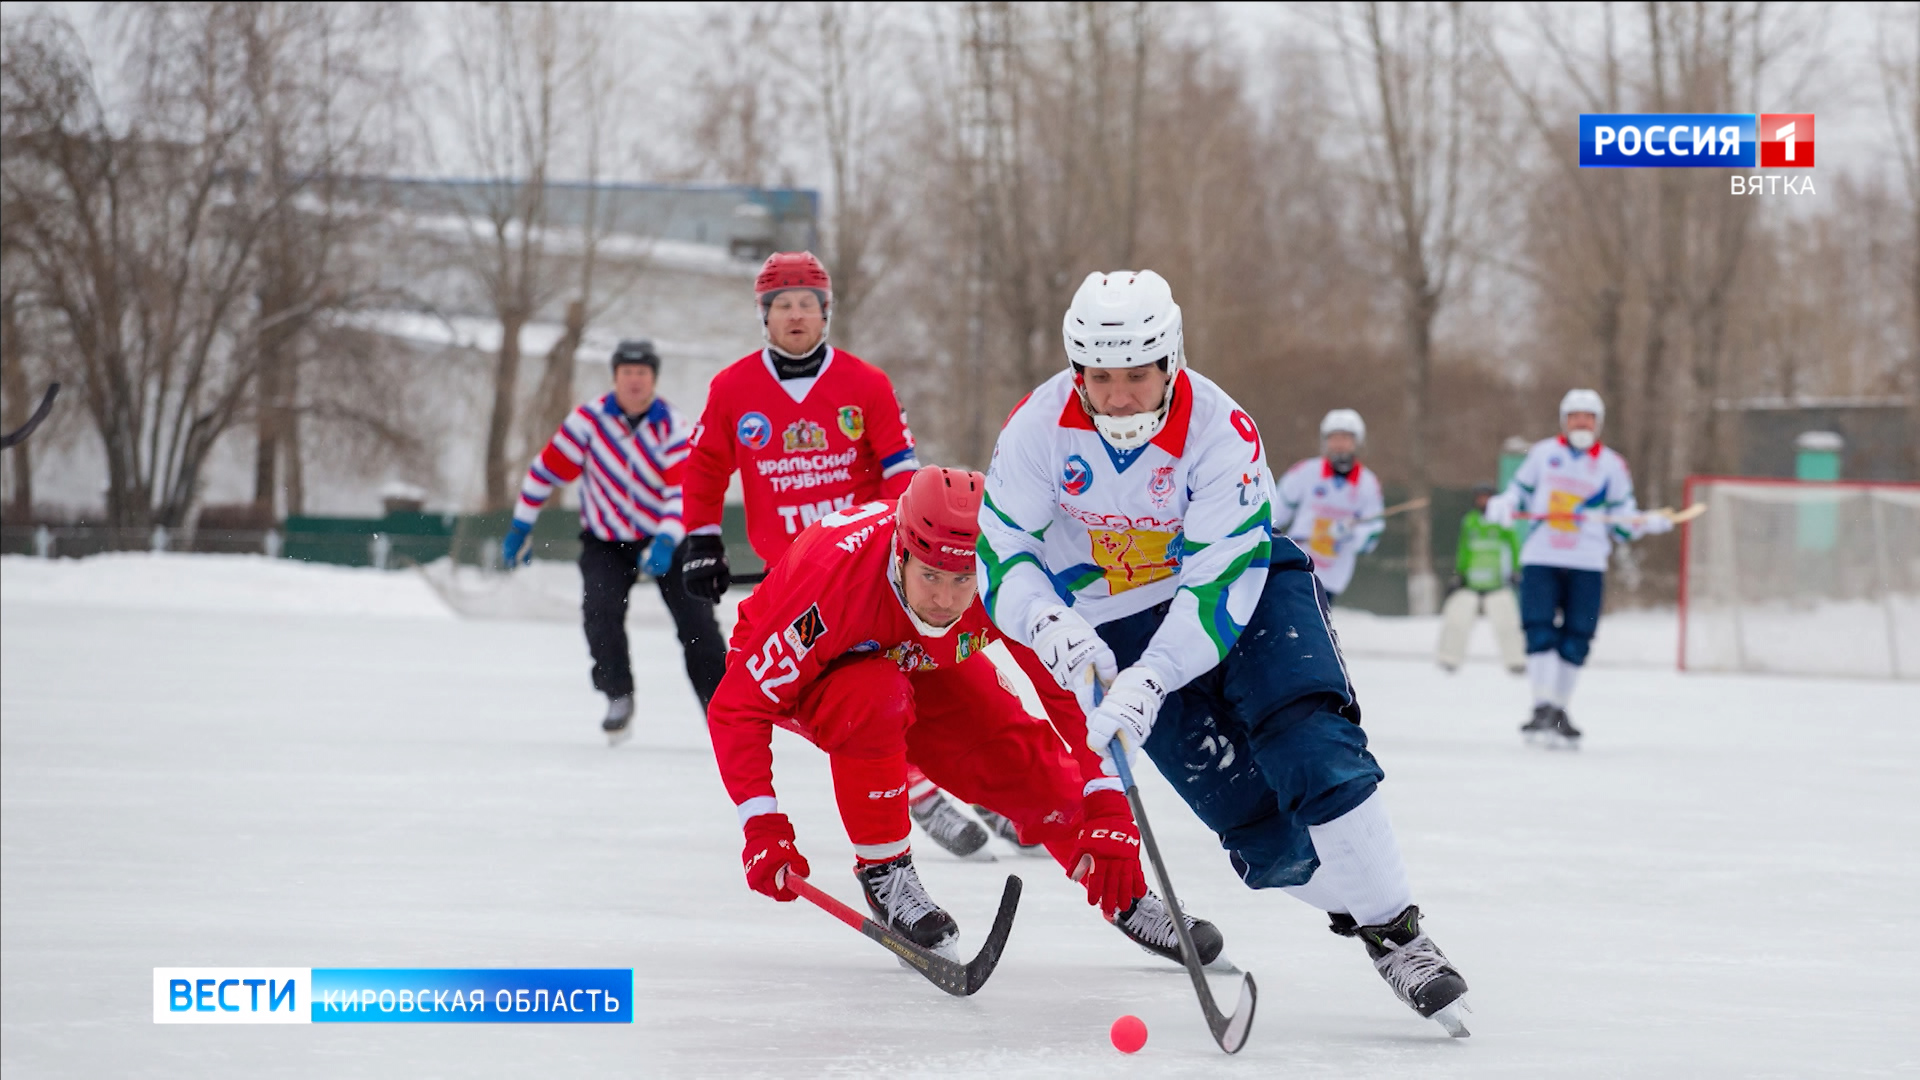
793,270
939,518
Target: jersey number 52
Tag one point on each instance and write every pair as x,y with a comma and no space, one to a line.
772,668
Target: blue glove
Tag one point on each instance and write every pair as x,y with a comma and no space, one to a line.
659,557
515,543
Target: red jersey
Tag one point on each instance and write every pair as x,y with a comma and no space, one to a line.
842,442
832,598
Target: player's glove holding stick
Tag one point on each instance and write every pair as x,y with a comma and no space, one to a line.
1106,854
1128,710
1073,653
1499,512
705,574
769,848
1653,523
513,549
658,559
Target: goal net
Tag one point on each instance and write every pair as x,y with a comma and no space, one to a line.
1802,578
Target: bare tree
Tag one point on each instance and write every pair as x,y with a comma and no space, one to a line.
1899,62
1409,66
508,92
140,237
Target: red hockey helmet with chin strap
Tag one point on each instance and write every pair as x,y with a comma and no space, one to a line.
785,270
939,518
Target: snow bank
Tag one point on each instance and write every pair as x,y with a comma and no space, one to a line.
216,583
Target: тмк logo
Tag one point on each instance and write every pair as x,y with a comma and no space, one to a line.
754,430
1077,477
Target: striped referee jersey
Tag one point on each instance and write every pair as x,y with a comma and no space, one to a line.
633,472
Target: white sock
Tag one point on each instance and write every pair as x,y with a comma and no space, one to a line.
1543,671
1360,869
1564,679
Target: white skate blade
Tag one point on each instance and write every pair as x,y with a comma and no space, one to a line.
615,738
1451,1017
1221,966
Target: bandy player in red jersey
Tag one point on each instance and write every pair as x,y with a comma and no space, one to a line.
812,429
866,641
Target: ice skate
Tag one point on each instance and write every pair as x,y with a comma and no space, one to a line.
1148,925
1413,966
1565,736
897,897
1540,729
619,722
959,834
1005,830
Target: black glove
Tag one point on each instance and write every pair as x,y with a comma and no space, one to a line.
704,572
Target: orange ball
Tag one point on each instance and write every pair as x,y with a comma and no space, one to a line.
1129,1034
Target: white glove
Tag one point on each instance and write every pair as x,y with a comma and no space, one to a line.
1499,512
1128,710
1073,653
1655,524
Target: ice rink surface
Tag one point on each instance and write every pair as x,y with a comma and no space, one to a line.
226,761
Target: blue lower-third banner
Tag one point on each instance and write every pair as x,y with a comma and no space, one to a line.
393,995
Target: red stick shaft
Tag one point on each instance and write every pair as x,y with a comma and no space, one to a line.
826,903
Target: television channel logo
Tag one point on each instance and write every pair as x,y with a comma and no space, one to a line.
1696,140
1786,140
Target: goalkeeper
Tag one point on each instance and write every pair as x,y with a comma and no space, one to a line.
1486,568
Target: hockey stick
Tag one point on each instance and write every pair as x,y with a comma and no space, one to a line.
1678,517
1398,508
1229,1031
39,414
960,980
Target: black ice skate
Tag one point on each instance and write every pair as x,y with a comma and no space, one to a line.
619,722
1148,924
898,899
950,828
1414,966
1565,735
1539,729
1005,830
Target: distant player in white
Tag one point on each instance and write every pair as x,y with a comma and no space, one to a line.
1127,537
1576,497
1330,505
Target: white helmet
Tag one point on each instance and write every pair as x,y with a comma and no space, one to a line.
1583,401
1344,420
1348,421
1125,319
1586,401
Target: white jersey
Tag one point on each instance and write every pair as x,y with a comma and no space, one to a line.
1187,518
1573,491
1335,519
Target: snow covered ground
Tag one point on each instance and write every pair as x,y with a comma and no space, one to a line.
227,761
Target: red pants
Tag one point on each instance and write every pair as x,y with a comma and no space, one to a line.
960,726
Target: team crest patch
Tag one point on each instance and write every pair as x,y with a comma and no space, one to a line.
911,657
803,435
866,646
853,422
969,644
1160,488
1077,477
755,430
806,631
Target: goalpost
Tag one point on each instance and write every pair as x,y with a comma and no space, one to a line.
1801,578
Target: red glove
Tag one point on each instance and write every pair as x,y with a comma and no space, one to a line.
1106,854
770,847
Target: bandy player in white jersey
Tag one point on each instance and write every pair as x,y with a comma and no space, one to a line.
1576,497
1330,505
1127,537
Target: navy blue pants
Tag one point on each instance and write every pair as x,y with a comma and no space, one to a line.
1269,742
1560,609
